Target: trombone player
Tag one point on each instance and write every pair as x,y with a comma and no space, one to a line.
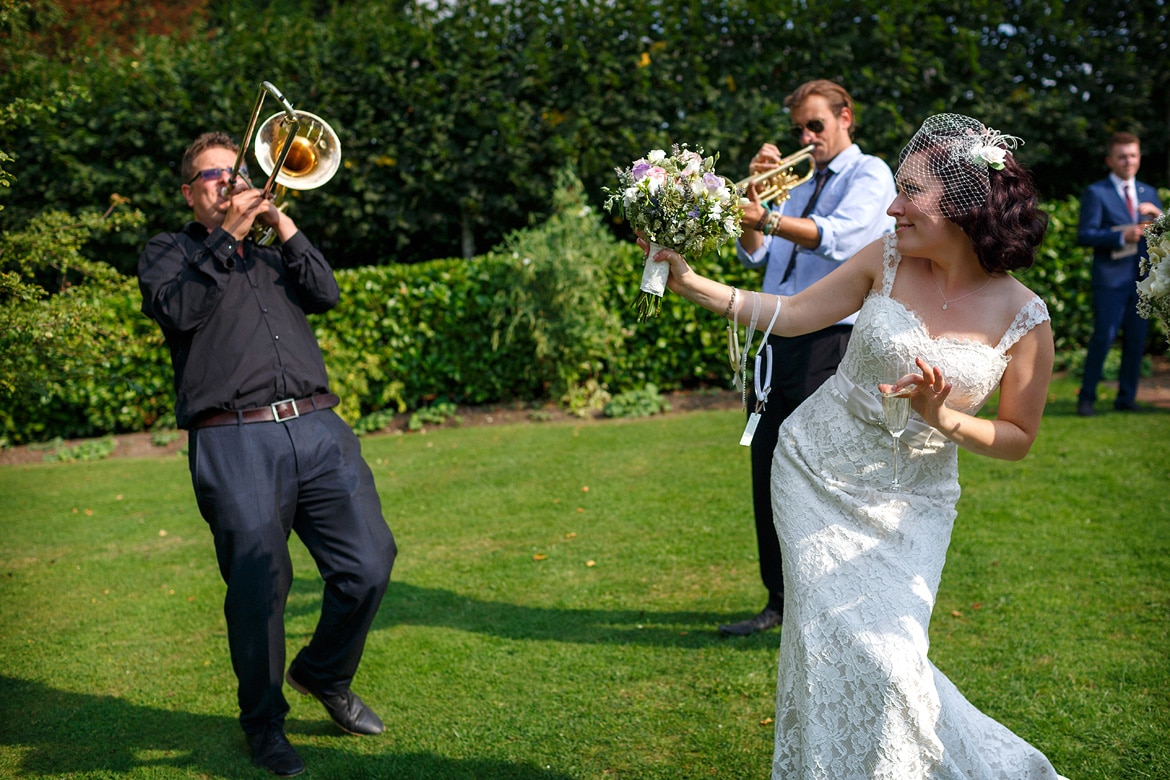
797,238
267,453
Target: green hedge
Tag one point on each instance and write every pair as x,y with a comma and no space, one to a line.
406,336
454,117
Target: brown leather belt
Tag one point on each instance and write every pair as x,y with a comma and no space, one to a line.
281,411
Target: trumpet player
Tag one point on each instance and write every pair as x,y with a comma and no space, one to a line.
822,223
267,453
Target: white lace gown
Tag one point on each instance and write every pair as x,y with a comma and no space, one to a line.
857,698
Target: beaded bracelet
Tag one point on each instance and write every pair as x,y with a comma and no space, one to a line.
774,224
763,221
730,305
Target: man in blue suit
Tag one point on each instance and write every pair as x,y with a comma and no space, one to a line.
1113,211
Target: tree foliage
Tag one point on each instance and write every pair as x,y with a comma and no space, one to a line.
454,117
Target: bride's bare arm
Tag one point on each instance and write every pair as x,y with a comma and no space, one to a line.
828,301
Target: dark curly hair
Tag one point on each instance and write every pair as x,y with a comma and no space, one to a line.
1008,228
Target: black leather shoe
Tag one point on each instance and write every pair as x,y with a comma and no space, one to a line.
1085,408
1128,406
348,711
271,751
769,618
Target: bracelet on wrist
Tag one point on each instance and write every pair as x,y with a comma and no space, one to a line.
730,305
774,224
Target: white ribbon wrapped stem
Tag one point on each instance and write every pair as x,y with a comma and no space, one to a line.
654,275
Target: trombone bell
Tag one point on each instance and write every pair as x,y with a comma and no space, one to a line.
314,154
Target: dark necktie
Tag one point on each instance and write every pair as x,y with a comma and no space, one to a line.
822,177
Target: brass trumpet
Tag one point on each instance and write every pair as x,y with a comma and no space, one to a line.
775,184
297,150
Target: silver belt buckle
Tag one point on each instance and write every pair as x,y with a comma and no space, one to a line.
276,413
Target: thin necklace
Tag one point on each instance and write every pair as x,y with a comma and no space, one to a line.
946,303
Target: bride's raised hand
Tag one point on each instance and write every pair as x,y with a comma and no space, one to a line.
930,393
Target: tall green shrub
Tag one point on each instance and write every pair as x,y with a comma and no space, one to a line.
557,300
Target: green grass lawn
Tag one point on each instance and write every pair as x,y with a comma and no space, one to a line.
553,610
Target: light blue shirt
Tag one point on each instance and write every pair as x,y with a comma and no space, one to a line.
850,213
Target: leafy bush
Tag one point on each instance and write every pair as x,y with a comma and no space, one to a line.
558,296
404,337
96,449
455,117
438,413
645,402
373,422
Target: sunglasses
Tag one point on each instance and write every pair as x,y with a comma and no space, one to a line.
813,126
214,174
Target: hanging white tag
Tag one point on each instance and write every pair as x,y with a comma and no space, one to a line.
749,431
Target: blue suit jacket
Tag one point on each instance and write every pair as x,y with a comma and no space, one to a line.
1101,209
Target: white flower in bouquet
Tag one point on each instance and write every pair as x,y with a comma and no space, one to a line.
1154,290
675,201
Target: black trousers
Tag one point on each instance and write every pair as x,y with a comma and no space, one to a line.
801,364
257,483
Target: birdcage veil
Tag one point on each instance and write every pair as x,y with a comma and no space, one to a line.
944,168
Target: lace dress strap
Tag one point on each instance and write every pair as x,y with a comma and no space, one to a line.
890,261
1029,316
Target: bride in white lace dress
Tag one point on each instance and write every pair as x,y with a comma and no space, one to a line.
857,697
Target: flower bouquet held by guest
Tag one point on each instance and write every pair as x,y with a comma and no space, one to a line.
857,697
677,201
1154,290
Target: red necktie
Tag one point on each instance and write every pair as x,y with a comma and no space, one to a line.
1129,203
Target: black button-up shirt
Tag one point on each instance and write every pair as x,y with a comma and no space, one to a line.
234,319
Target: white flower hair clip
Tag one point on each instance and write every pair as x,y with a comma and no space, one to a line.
958,152
992,147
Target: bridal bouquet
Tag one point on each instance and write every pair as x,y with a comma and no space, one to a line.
675,201
1154,290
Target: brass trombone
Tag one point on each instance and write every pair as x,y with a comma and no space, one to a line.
775,184
297,150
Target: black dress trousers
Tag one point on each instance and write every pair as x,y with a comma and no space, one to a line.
255,484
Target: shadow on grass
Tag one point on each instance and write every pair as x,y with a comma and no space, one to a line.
57,732
408,604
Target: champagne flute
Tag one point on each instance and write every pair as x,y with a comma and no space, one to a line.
896,415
